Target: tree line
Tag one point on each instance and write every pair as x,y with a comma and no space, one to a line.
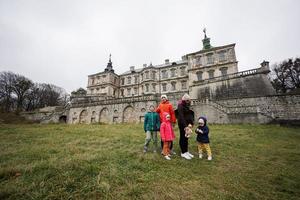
18,93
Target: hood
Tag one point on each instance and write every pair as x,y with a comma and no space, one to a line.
204,119
183,102
164,118
167,101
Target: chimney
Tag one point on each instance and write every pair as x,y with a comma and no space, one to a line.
167,61
132,68
144,65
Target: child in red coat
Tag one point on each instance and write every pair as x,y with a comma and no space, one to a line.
167,134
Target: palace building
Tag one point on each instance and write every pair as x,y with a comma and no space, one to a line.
210,76
167,78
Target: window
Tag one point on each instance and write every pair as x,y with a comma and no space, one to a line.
182,71
153,74
147,75
122,81
128,80
199,75
135,90
173,72
211,73
173,86
164,87
223,71
142,76
136,79
92,81
222,56
147,87
122,92
153,87
164,74
183,85
198,60
210,59
115,80
92,91
128,91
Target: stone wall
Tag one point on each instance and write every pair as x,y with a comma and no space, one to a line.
124,110
248,83
53,114
262,109
266,109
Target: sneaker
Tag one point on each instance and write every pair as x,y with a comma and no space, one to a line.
190,155
186,156
200,156
209,158
173,152
167,157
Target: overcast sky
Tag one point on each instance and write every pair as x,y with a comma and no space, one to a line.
63,41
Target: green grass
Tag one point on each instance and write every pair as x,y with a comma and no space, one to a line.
106,162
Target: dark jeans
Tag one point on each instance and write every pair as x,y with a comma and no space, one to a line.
183,141
162,144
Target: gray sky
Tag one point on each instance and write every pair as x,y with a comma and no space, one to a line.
63,41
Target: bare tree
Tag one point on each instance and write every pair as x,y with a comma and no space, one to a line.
286,75
21,87
6,98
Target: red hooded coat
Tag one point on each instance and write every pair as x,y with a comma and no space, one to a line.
166,129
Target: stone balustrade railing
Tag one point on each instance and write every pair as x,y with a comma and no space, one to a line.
231,76
98,100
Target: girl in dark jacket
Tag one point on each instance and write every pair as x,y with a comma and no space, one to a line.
202,132
185,118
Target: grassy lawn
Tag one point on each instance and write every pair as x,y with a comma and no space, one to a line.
106,162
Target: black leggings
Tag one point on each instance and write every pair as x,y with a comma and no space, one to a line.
183,141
